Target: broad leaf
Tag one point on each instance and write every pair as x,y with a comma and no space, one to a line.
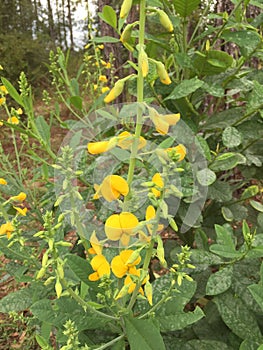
231,137
206,177
219,281
12,91
143,334
249,192
185,88
212,62
105,39
227,161
109,16
180,320
43,129
185,7
247,40
76,101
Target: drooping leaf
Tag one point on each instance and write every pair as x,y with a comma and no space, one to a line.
12,91
256,205
143,334
231,137
212,62
227,214
17,301
249,192
247,40
76,101
105,39
227,161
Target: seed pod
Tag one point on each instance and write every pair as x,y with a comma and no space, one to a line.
162,72
125,8
143,63
165,21
160,251
115,91
60,271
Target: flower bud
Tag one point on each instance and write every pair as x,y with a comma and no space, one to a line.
149,292
165,21
115,91
125,8
41,273
163,75
58,288
126,34
143,62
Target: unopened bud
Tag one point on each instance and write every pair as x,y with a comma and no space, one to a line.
134,256
143,63
149,292
41,273
58,288
165,21
125,8
115,91
163,75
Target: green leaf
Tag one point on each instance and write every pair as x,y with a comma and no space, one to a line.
12,91
185,88
43,129
227,161
80,267
247,40
227,214
180,320
143,334
212,62
109,16
76,101
206,177
231,137
219,281
186,7
257,291
220,191
121,154
249,192
251,344
16,301
225,246
106,39
237,316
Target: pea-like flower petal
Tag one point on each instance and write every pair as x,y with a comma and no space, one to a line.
158,181
112,187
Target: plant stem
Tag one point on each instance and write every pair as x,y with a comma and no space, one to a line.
105,346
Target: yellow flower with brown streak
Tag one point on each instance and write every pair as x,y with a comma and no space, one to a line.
163,122
21,211
112,187
100,266
179,150
158,181
126,139
7,229
20,197
120,227
96,246
3,181
120,266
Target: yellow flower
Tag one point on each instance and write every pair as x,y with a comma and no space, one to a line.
1,123
7,229
13,120
151,214
121,227
108,65
101,47
101,267
103,78
129,281
21,211
19,111
3,181
2,101
96,247
101,146
20,197
112,187
178,150
125,140
115,91
162,72
158,181
95,87
105,89
162,122
3,90
119,264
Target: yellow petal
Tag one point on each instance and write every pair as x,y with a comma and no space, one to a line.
172,119
128,222
3,181
104,269
118,267
150,213
98,147
21,211
125,239
157,179
125,256
113,228
113,186
97,261
20,197
94,277
96,246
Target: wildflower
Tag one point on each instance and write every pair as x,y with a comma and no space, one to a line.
105,89
125,140
121,227
3,90
112,187
162,72
150,215
3,181
125,8
2,101
115,91
19,111
119,264
1,123
101,267
13,120
179,150
165,21
95,87
101,146
96,247
101,47
21,211
103,78
108,65
158,181
162,122
20,197
7,229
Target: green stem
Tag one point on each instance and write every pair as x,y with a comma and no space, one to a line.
105,346
140,83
